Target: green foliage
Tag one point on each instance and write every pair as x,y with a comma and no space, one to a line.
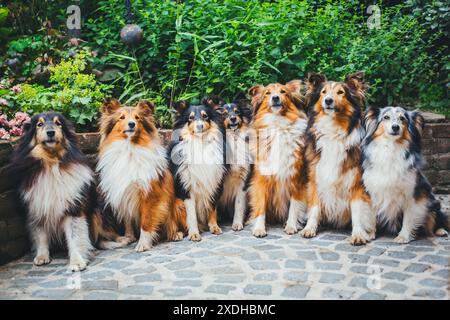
72,92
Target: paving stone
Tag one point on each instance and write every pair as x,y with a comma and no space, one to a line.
429,293
159,259
347,247
417,268
60,283
328,265
258,289
187,283
152,277
445,274
250,256
335,294
395,287
134,271
435,283
372,296
401,255
198,254
175,292
333,237
296,276
275,255
231,250
444,261
220,289
297,291
52,294
230,279
422,242
266,276
264,265
134,256
395,276
138,290
294,264
307,255
99,295
331,277
359,282
117,264
265,247
375,251
358,258
99,285
180,264
226,270
329,256
359,269
386,262
188,274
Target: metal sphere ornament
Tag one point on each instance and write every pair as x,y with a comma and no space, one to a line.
131,34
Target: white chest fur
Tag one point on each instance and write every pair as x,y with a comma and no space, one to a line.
53,192
389,179
278,145
126,171
201,168
333,186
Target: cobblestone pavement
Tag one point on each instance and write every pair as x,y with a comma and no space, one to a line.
236,265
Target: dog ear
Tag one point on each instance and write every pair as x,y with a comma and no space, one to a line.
180,106
356,81
110,106
214,102
315,81
371,121
295,86
416,123
255,91
146,107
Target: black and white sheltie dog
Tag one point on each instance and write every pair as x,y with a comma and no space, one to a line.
233,201
197,155
400,195
56,187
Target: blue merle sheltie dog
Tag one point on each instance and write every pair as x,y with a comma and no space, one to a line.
233,201
197,155
400,194
56,188
336,195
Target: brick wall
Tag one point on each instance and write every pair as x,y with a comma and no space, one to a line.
14,243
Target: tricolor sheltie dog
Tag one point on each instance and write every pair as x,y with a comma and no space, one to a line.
135,180
336,194
278,186
401,196
237,117
56,188
198,163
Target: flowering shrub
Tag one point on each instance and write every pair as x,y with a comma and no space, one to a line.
13,127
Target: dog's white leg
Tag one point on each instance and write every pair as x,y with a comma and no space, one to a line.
363,222
41,245
259,228
76,231
191,220
239,209
146,240
310,229
296,210
413,217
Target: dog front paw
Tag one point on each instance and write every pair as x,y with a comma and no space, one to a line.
237,226
126,240
77,265
403,239
178,236
215,229
41,260
259,232
308,232
195,236
288,229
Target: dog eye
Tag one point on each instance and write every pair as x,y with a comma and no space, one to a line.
191,117
137,117
340,92
122,117
402,118
267,93
324,91
386,117
40,124
59,124
205,116
283,91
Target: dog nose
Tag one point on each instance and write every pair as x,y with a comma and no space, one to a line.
199,127
233,119
51,133
131,124
276,99
328,101
395,127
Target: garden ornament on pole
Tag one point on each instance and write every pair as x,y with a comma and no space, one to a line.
131,34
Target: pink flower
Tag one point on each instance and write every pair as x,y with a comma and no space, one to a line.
16,131
16,89
3,120
4,134
22,117
3,102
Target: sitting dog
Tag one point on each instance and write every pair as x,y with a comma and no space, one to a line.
135,180
336,194
56,188
198,163
237,117
401,196
278,184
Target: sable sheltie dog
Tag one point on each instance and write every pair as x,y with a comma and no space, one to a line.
336,193
198,164
278,186
135,180
236,117
401,196
56,188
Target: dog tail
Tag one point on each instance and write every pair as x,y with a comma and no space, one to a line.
176,228
104,231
